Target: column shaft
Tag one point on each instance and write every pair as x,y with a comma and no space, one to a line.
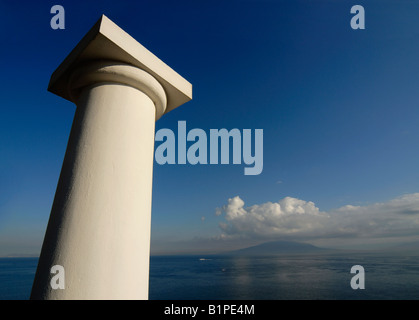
99,228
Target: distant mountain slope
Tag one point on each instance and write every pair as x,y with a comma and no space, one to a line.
278,247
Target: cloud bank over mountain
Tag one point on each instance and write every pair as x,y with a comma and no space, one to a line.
302,220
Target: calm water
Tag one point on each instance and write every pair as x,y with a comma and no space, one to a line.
281,277
16,277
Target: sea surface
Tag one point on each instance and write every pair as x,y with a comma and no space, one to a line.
285,277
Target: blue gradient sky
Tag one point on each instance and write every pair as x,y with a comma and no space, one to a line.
339,109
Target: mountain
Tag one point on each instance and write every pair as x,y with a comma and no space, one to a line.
411,247
278,247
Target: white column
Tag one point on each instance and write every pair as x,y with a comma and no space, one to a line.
99,227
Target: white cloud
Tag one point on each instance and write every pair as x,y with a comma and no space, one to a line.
302,220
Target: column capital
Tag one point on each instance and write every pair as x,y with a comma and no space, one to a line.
103,71
107,41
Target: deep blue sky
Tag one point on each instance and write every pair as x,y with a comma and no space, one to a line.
339,107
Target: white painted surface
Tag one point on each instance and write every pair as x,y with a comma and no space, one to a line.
99,229
107,41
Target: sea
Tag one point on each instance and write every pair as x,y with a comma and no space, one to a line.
284,277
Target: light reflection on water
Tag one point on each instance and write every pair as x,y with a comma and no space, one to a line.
325,276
